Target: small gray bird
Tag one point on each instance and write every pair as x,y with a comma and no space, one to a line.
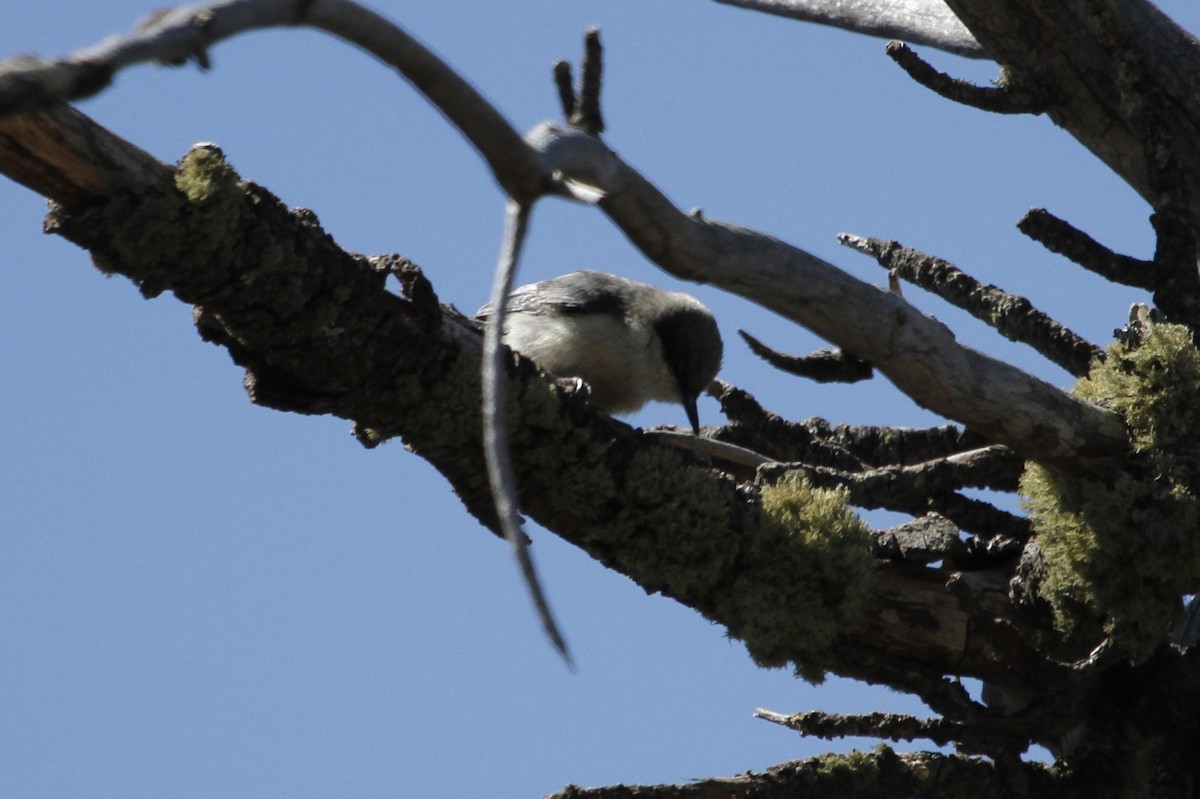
630,342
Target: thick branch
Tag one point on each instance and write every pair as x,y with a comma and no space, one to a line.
177,35
882,774
394,371
919,354
926,22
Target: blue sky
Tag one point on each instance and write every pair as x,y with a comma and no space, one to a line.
199,597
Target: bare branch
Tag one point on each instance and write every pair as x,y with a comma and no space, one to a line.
496,451
850,448
1013,316
588,116
178,35
565,86
885,726
926,22
823,366
919,354
1059,236
1005,99
888,774
1061,49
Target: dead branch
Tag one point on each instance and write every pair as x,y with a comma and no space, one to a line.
1059,236
1013,316
1062,50
1004,99
175,36
823,366
847,447
392,372
916,490
889,774
926,22
919,354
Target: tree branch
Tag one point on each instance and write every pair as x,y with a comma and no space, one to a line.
1062,49
919,354
847,447
882,774
1059,236
1005,99
392,371
175,36
926,22
823,366
1013,316
916,490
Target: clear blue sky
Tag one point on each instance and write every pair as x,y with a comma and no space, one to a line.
199,597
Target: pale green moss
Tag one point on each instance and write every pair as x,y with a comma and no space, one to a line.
812,568
1121,554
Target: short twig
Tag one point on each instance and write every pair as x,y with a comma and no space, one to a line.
566,88
1006,99
1011,315
823,366
1062,238
588,116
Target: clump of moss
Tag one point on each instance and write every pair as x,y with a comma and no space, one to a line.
812,567
1123,553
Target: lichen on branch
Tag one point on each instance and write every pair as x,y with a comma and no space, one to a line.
1120,554
821,554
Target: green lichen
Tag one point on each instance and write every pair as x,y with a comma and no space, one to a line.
812,566
158,237
1120,554
660,496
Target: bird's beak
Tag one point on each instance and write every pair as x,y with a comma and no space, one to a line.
689,405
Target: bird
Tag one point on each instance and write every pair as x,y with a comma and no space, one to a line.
629,341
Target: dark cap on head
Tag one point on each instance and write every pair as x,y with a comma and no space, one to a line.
693,349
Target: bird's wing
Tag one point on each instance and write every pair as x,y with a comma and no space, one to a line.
576,293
